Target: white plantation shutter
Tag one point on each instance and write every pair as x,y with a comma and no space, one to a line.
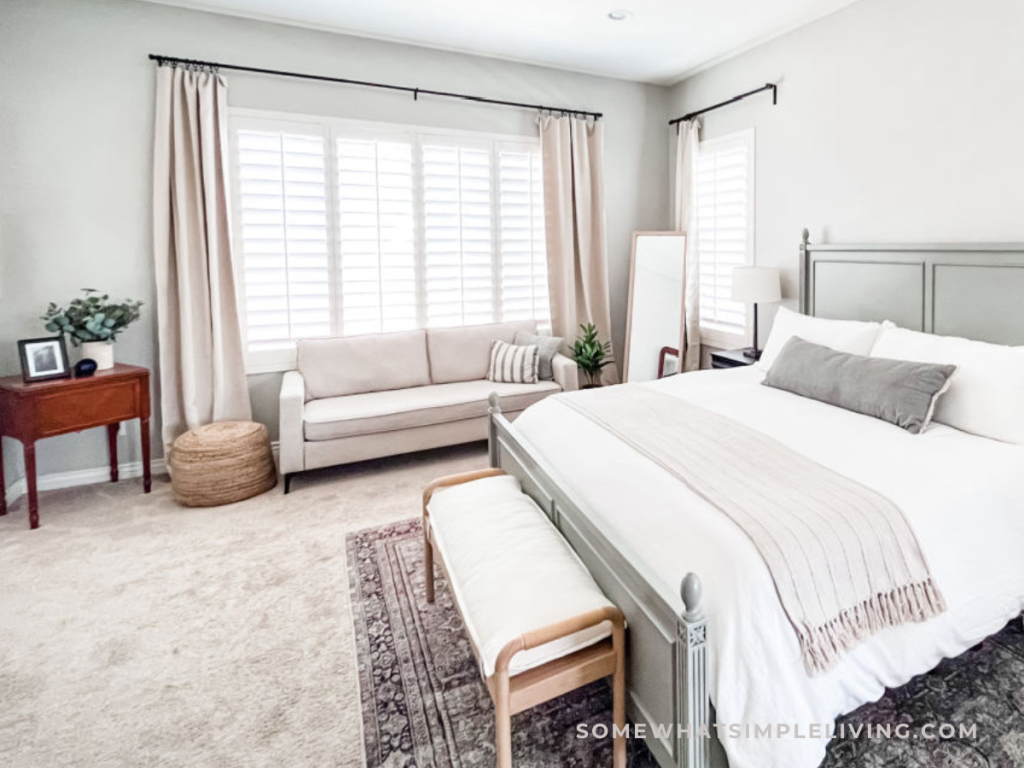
283,223
458,251
376,233
349,228
724,189
524,269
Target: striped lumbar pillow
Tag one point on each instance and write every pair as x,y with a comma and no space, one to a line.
513,364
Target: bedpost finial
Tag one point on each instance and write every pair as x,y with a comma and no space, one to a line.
495,402
806,236
692,591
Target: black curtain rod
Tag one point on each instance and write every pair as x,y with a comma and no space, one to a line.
767,86
416,92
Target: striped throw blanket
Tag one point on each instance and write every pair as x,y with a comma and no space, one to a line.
843,557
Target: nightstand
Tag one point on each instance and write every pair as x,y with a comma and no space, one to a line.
730,358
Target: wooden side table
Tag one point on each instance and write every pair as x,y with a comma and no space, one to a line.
32,411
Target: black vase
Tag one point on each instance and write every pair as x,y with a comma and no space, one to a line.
86,367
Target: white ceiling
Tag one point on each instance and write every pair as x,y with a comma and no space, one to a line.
662,42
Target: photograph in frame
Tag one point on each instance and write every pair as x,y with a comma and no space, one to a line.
44,359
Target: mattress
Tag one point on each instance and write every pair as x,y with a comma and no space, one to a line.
961,494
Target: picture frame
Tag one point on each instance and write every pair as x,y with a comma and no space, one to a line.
44,359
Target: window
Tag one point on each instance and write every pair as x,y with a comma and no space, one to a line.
346,228
724,196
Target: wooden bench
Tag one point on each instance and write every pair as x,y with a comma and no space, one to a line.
539,625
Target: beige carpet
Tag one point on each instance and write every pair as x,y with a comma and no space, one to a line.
134,632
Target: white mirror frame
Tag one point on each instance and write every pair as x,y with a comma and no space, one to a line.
629,306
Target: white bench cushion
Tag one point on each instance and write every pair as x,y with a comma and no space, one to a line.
511,571
373,412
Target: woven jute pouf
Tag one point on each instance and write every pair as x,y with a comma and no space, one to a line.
222,463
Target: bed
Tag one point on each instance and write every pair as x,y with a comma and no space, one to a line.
725,654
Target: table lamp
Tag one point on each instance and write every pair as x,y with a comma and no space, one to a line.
755,285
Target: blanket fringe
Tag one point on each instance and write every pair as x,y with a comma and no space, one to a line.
821,647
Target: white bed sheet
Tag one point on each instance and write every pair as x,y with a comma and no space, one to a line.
963,495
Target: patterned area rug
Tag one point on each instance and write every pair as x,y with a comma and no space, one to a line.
983,687
424,705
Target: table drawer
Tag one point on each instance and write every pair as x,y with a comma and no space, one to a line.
70,411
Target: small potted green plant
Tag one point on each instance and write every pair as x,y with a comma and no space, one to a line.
93,323
591,355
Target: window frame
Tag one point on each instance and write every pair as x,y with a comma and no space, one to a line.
330,129
717,337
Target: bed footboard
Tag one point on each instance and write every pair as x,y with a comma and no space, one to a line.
674,709
692,649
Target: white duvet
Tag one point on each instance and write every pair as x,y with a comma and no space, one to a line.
963,496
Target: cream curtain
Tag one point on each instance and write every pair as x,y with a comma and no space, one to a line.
571,151
685,220
202,369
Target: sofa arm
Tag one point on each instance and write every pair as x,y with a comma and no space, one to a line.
293,405
566,373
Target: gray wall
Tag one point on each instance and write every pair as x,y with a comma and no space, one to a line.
76,104
898,120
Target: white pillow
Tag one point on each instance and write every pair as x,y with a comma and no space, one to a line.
986,394
850,336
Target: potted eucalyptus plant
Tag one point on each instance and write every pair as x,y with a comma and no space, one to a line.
591,355
93,323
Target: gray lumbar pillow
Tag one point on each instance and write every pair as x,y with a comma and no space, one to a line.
896,391
548,348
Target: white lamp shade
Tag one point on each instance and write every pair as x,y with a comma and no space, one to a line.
756,285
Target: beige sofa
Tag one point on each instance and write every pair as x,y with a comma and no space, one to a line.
362,397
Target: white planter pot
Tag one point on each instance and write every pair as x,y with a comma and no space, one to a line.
100,351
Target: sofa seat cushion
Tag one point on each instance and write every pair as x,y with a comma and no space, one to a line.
373,412
511,571
350,365
463,353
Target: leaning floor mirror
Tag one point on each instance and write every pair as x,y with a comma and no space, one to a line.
654,328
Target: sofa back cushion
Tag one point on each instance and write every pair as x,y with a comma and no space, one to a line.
350,365
464,353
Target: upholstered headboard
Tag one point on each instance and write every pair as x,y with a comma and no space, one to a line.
974,290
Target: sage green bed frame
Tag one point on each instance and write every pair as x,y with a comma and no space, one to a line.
972,290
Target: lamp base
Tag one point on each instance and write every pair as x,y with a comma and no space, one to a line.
752,352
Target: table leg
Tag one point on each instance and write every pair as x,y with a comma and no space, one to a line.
3,483
112,446
30,476
147,477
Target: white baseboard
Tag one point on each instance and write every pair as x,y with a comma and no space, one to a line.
56,480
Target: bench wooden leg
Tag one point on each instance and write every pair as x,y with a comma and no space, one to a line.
503,720
619,697
428,563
